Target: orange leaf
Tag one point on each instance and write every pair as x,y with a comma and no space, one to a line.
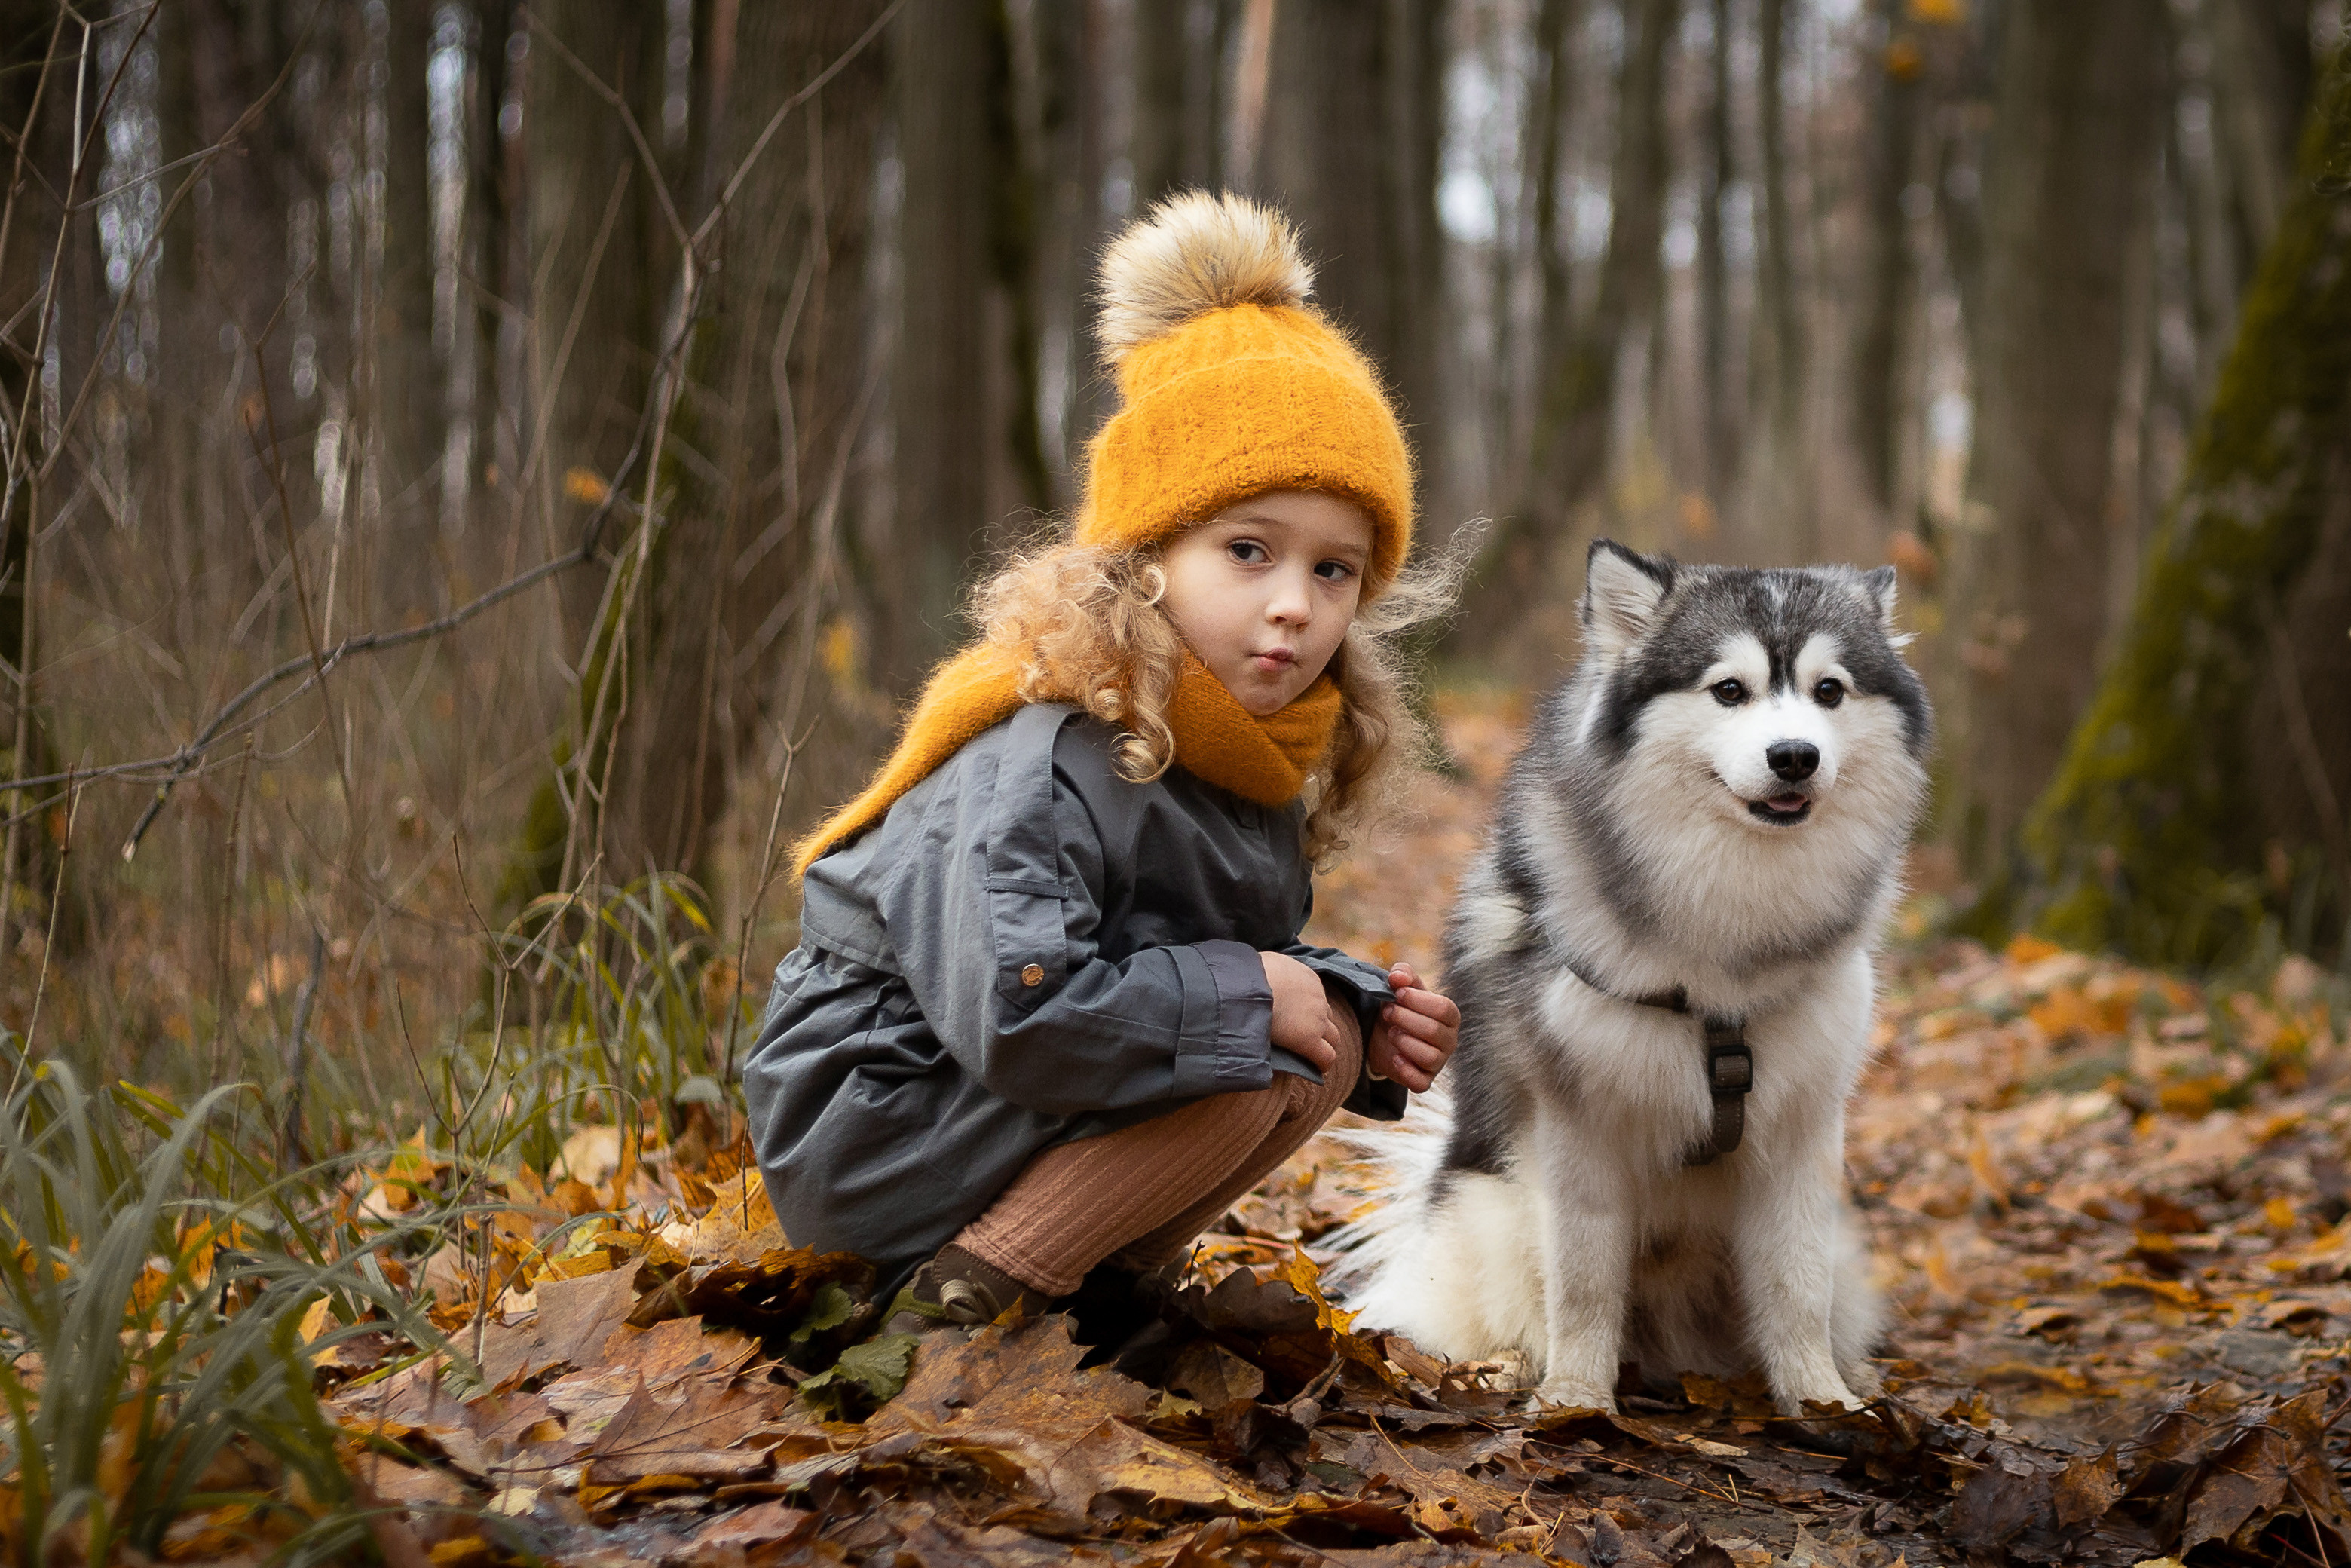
2026,948
1299,1272
2175,1291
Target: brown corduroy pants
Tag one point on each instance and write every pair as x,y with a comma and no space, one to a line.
1138,1197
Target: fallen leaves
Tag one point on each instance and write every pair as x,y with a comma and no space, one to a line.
2113,1212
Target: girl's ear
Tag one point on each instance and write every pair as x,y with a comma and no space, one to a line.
1622,590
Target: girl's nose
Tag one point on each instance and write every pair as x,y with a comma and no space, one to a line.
1290,603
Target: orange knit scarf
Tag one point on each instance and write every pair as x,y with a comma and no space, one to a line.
1261,760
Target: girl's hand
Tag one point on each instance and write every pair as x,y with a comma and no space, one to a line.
1417,1035
1302,1011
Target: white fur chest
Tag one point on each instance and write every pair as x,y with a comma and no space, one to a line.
1630,1080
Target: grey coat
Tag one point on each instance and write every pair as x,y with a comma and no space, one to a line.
1027,950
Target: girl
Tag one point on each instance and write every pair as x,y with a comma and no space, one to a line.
1050,1010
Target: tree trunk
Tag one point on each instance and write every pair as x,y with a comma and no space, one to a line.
238,243
592,344
1547,100
1211,103
590,205
1720,412
2261,78
2216,259
779,370
769,393
1888,298
409,410
1579,388
1575,390
1157,144
27,851
1017,239
188,362
1784,516
498,246
1350,152
944,69
2202,799
1067,44
1416,42
2080,97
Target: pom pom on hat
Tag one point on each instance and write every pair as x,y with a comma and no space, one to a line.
1233,385
1195,254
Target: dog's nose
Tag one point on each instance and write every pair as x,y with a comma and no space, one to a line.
1792,759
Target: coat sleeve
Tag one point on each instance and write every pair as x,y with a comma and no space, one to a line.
994,916
1366,990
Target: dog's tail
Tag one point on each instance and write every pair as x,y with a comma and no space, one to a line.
1407,1156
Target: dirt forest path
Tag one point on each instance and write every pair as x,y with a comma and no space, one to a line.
2108,1206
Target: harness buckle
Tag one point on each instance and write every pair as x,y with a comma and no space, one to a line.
1730,1068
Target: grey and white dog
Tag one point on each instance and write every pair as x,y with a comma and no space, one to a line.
1662,960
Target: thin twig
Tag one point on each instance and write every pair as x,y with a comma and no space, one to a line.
1669,1480
770,863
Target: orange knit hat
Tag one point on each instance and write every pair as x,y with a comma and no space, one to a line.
1233,385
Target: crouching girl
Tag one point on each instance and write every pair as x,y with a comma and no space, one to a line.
1050,1015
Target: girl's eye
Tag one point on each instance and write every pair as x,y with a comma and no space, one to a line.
1829,692
1335,571
1249,552
1730,694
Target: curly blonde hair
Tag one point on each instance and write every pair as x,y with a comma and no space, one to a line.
1087,627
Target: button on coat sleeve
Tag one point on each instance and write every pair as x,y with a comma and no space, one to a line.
995,912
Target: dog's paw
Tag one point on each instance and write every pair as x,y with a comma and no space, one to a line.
1836,1397
1567,1394
1864,1379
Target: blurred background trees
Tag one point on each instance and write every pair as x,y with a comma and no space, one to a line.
761,325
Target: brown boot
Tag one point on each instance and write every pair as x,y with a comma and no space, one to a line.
956,1291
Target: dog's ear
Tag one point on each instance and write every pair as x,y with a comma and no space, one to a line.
1880,584
1622,590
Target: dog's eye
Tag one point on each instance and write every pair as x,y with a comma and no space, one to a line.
1730,694
1829,692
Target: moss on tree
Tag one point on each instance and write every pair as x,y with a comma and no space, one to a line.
2156,836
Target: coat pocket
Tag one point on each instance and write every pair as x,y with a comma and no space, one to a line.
1025,919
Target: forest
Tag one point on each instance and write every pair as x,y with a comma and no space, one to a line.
482,478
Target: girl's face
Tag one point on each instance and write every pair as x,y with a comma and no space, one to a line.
1263,590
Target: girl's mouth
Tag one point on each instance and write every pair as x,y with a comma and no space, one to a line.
1273,661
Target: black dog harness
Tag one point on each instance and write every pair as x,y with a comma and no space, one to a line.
1729,1065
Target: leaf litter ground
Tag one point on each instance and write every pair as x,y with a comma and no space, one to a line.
2108,1207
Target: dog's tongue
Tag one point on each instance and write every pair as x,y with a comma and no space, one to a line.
1786,803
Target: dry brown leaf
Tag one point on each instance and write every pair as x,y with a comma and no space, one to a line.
572,1320
678,1349
2275,1462
697,1435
